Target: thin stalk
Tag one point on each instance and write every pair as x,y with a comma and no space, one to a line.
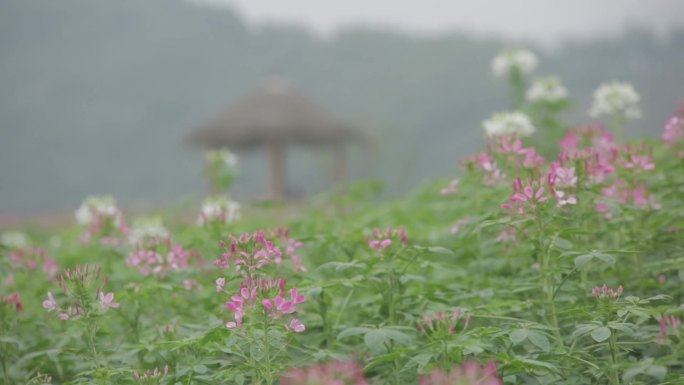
267,351
445,356
390,294
4,368
548,279
614,375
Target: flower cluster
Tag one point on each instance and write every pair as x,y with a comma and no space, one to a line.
30,258
506,123
103,220
548,89
511,148
527,196
248,252
146,228
616,99
510,60
380,240
451,188
606,293
265,297
150,376
564,182
667,322
484,162
469,373
12,300
327,373
14,240
221,168
218,210
673,132
291,247
441,324
157,256
78,284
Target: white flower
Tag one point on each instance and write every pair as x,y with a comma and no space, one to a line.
548,89
616,98
507,60
14,239
222,156
504,123
97,205
147,228
219,208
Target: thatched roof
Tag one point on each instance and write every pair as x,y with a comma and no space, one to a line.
274,113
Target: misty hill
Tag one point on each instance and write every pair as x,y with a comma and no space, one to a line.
95,95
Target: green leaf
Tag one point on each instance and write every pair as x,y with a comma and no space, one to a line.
539,340
353,332
582,260
398,336
375,340
519,335
600,334
200,369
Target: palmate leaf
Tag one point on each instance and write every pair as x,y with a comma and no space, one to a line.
600,334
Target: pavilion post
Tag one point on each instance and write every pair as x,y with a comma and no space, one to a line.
276,159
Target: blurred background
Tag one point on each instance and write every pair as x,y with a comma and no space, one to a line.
97,97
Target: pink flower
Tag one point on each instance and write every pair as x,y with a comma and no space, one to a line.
220,284
63,316
605,292
296,326
107,300
384,239
249,253
456,227
14,300
190,284
667,321
673,132
526,197
50,304
565,200
563,177
451,189
278,306
469,373
639,163
328,373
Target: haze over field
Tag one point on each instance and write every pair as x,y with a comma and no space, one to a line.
96,96
541,21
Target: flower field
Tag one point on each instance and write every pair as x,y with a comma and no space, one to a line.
556,257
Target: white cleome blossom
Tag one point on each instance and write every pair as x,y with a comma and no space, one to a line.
147,228
616,98
223,156
507,60
505,123
14,240
102,205
219,209
548,89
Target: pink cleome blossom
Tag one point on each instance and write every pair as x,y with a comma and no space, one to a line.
469,373
381,240
329,373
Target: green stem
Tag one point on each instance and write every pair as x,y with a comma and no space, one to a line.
267,351
390,294
615,377
4,367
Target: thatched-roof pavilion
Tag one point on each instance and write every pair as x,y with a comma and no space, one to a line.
275,116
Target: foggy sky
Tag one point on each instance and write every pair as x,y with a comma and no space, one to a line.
543,21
